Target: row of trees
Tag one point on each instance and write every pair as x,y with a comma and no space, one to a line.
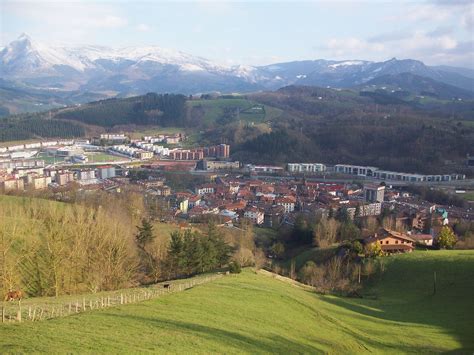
49,248
19,129
149,109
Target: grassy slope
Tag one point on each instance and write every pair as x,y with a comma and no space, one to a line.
214,109
256,314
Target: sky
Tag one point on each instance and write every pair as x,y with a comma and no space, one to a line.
257,32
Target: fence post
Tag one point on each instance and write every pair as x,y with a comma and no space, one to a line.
29,313
83,303
77,306
3,312
121,298
70,307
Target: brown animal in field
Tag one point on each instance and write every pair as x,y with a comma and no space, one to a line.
14,295
167,286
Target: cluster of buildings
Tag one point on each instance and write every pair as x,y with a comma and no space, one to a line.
271,203
376,173
149,147
370,172
220,151
34,175
131,152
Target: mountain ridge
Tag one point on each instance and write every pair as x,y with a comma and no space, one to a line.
138,70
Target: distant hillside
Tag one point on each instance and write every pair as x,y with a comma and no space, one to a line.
335,126
150,109
406,84
255,313
16,98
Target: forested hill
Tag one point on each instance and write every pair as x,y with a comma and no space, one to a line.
343,126
149,109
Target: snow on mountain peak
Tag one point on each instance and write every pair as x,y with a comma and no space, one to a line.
346,63
24,52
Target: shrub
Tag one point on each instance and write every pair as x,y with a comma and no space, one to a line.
235,268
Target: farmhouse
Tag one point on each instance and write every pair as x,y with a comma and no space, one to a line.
391,241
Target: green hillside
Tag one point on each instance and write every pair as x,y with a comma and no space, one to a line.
224,110
251,313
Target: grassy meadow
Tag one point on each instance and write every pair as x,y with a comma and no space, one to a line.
254,313
214,109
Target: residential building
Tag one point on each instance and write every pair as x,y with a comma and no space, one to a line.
287,202
63,177
273,216
255,215
86,174
12,184
106,172
374,193
205,189
40,182
186,154
143,155
264,168
306,167
162,190
374,172
426,239
217,151
212,165
183,204
392,242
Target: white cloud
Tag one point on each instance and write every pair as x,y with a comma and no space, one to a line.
111,21
68,21
468,19
348,47
433,47
143,27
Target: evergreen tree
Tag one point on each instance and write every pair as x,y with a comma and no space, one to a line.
145,234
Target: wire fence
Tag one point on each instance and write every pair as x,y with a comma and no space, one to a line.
27,310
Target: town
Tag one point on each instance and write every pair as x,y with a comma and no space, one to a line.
237,177
226,190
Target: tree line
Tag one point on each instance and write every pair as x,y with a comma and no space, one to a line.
19,129
103,242
149,109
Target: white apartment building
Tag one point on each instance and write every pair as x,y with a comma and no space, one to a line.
306,167
255,215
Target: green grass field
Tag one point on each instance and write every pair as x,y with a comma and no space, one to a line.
251,313
214,109
152,131
468,196
103,158
318,255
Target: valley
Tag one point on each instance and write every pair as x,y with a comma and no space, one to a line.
237,177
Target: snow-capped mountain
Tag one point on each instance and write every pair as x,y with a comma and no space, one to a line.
25,56
96,67
136,70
